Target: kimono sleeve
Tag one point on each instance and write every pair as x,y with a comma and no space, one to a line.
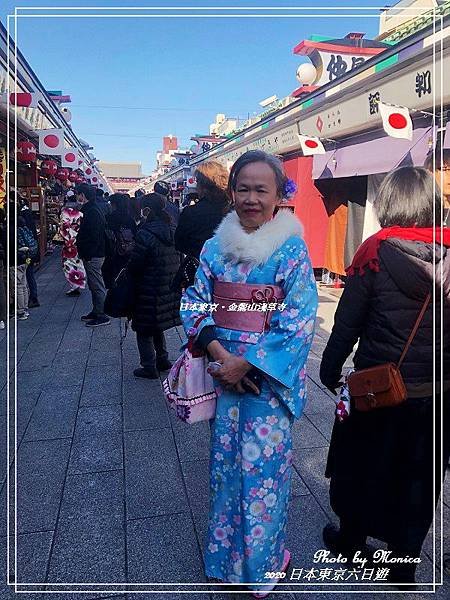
281,353
197,299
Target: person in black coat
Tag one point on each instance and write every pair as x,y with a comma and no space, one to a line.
28,216
381,462
153,264
124,228
197,223
92,251
163,188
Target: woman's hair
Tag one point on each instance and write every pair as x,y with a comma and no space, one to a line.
253,156
212,182
406,198
121,204
156,203
440,156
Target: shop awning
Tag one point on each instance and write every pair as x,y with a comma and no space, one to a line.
380,155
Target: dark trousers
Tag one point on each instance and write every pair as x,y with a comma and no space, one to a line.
3,306
32,285
152,348
96,284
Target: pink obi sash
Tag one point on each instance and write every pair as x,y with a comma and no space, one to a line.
260,300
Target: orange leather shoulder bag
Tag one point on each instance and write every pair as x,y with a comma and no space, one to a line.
382,386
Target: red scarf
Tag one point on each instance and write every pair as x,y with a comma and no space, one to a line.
367,253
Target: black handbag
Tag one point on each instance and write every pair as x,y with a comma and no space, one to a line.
185,275
120,298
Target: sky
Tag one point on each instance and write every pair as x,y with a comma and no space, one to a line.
134,80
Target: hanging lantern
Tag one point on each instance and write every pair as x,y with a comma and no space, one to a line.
72,176
26,151
49,168
62,174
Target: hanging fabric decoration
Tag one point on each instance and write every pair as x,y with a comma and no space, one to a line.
397,121
88,171
26,151
51,141
311,145
24,99
49,168
69,158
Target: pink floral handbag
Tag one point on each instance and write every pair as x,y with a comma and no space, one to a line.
189,388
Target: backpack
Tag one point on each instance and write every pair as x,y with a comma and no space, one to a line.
27,239
124,241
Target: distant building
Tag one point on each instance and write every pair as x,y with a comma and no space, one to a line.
165,156
122,176
224,125
404,13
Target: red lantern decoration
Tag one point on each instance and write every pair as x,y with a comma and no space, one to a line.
26,151
49,168
62,174
72,177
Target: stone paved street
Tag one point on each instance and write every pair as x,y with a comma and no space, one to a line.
111,487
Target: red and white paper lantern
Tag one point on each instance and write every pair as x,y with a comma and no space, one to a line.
51,141
62,174
26,151
397,121
69,158
49,168
311,145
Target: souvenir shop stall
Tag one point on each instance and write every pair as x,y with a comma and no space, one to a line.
345,130
41,157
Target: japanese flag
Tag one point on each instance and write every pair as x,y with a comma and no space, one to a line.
396,121
311,145
26,99
69,158
51,141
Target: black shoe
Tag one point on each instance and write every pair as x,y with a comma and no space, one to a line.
164,365
146,373
72,293
98,321
334,542
89,316
33,303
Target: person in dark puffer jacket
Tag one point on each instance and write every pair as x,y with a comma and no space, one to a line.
381,462
153,264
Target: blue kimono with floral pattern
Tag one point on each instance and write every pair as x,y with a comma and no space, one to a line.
251,446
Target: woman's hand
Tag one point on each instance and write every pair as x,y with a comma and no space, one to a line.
233,369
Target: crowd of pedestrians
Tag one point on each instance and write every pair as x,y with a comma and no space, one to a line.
236,244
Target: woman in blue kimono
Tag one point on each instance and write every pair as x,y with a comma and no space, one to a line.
253,307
